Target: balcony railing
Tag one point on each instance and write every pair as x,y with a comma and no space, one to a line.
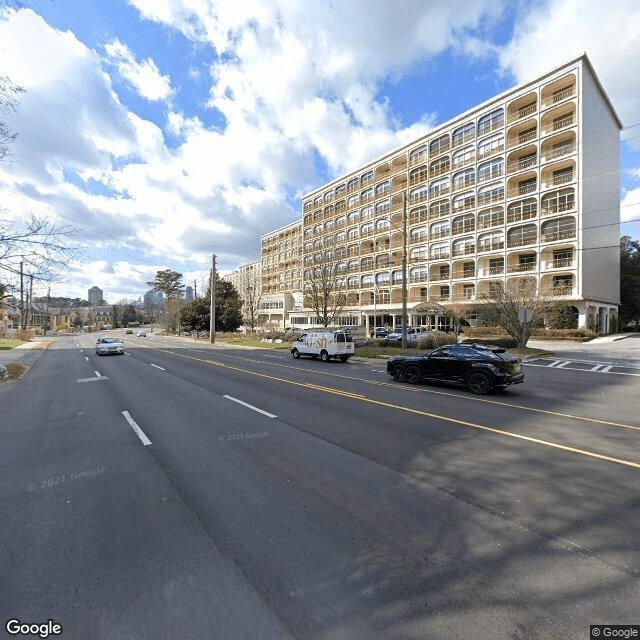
464,251
518,216
521,242
558,180
519,268
558,235
521,165
562,263
522,190
556,125
558,207
559,152
558,97
523,113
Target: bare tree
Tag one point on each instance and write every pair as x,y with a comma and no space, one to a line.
250,290
169,282
8,101
325,288
504,304
41,245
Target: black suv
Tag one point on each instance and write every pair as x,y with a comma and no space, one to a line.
481,368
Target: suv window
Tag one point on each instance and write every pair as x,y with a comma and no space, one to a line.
340,337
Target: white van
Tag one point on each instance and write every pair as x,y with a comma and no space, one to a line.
324,343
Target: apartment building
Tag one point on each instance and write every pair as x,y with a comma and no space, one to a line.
281,261
525,185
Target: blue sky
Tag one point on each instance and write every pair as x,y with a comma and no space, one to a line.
166,130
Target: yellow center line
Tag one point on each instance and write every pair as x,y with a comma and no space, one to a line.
428,414
557,414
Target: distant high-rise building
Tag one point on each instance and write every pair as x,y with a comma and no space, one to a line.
153,297
188,293
96,296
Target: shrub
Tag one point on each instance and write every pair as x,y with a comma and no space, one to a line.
480,331
437,339
575,334
506,342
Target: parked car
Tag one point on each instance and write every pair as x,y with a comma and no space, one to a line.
481,368
141,334
106,346
413,335
381,332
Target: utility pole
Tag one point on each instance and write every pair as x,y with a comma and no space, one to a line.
21,298
212,319
195,289
30,303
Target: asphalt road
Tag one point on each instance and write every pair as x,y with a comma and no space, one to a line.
188,491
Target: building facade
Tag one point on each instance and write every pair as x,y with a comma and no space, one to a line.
523,186
95,295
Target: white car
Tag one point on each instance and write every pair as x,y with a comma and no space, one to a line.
141,334
106,346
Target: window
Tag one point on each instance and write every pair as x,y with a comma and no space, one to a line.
340,189
439,251
490,217
439,144
562,257
519,236
440,229
491,121
383,188
366,177
496,265
464,179
418,155
463,133
491,169
489,241
367,194
382,224
491,193
418,235
493,144
439,186
383,206
559,229
461,224
464,201
418,215
439,166
439,208
353,184
463,156
419,194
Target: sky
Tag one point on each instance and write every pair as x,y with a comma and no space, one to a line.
165,131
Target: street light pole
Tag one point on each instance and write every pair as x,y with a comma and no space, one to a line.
212,318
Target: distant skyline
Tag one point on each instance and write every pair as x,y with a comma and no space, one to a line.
168,131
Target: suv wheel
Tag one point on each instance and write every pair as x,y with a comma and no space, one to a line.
479,383
412,374
324,356
295,353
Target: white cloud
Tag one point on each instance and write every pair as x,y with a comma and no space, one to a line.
556,31
144,76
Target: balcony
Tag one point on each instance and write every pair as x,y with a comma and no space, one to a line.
559,96
559,124
523,113
521,165
558,235
520,268
564,150
464,251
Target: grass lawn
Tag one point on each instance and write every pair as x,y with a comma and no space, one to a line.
9,344
254,342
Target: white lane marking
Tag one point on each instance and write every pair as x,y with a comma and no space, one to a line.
553,364
563,364
136,428
250,406
97,374
157,366
92,379
86,358
606,369
596,367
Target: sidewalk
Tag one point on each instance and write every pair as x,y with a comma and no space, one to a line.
26,353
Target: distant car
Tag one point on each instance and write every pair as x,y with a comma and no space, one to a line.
129,332
381,332
106,346
413,335
481,368
141,334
